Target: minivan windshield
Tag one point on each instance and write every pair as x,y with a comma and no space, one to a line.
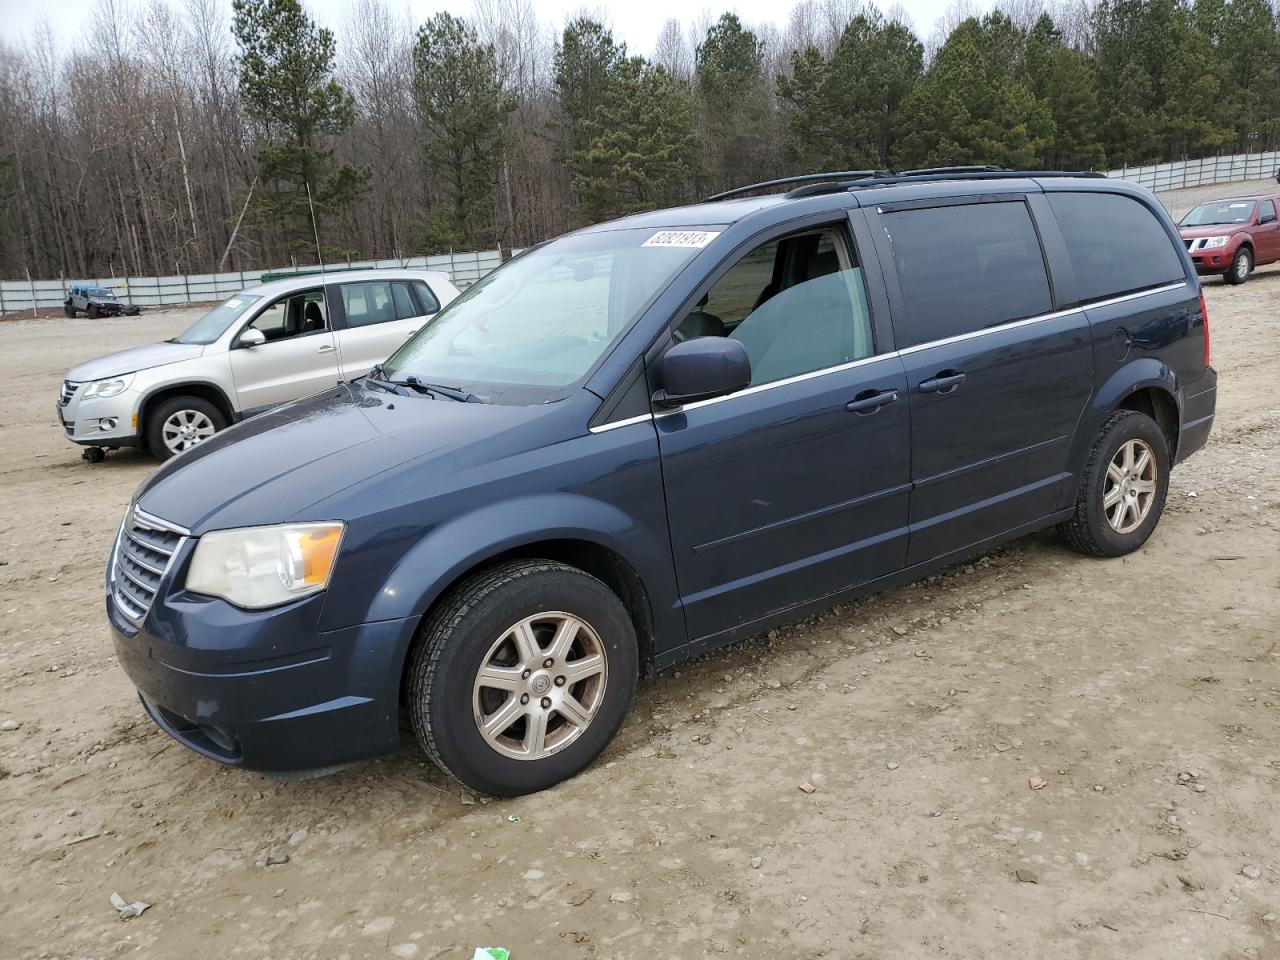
1222,211
214,323
539,323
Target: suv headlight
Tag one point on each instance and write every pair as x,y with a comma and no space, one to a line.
1213,242
259,567
107,388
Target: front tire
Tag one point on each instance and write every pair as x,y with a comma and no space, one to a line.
1123,489
1241,267
92,311
180,423
521,676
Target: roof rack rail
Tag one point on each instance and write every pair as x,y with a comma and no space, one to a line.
972,168
967,173
812,178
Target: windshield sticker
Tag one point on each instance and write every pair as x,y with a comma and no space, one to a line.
681,238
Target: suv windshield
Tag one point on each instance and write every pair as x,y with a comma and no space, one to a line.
538,324
100,292
1223,211
214,323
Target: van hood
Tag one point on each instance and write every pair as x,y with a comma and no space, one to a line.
133,360
273,467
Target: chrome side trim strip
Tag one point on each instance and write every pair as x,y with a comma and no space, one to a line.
614,425
986,331
915,348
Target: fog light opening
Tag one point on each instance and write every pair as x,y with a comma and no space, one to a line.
107,423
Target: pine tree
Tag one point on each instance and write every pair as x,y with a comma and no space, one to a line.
287,87
463,111
735,105
643,148
973,105
1062,81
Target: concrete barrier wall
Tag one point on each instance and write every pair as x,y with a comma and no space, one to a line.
16,295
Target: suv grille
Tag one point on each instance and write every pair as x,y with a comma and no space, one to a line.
143,553
68,391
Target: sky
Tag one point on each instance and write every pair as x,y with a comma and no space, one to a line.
636,22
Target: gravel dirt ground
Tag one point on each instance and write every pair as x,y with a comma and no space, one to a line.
1143,692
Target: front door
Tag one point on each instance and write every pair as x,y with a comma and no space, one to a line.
997,379
378,317
299,357
797,487
1267,232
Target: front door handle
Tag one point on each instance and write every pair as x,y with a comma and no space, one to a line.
327,348
869,401
945,382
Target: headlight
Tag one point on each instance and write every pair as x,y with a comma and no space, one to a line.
107,388
259,567
1212,242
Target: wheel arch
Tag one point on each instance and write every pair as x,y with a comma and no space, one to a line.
1147,385
203,389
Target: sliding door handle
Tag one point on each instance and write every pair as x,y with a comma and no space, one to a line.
945,382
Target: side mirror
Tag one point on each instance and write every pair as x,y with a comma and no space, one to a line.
1267,218
252,337
702,368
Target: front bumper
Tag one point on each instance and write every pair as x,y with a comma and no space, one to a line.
101,421
266,690
1217,260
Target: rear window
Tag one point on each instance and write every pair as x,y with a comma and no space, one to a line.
966,267
1116,244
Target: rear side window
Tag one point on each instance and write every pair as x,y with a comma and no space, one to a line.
966,267
1116,244
429,302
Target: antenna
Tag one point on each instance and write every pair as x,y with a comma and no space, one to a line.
315,229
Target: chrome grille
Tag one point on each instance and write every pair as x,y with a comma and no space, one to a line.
144,549
67,392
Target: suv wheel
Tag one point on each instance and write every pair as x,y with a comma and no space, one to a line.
521,676
68,309
1123,490
1240,267
180,423
91,311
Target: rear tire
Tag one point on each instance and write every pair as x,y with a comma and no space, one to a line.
68,309
498,660
180,423
1241,267
1123,489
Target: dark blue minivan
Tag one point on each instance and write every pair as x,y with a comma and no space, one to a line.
652,437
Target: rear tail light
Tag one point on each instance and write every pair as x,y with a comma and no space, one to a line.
1204,316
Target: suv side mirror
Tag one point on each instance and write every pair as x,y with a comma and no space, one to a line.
702,368
252,337
1267,218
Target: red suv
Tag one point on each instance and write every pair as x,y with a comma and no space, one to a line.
1233,236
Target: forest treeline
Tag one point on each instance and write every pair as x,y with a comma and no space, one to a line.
177,136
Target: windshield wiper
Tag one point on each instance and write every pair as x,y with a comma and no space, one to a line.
453,393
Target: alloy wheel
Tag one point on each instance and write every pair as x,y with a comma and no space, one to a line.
1130,487
540,685
185,428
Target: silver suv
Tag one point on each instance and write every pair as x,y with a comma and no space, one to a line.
264,346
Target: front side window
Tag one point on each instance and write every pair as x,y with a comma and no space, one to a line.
540,322
1267,213
797,304
965,267
1116,244
377,301
293,316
